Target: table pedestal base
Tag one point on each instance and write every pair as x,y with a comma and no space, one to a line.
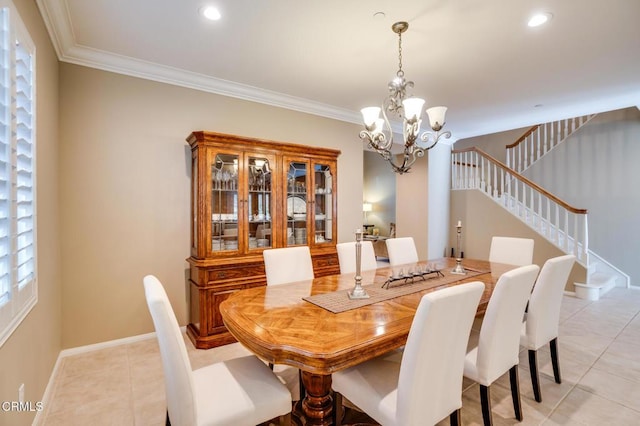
317,406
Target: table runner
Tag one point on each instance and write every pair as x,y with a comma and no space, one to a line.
338,301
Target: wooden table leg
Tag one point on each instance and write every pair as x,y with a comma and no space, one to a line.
317,406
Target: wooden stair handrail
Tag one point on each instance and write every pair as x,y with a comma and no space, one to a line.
524,179
523,137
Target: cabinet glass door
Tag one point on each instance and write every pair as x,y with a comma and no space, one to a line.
297,203
259,202
323,203
224,203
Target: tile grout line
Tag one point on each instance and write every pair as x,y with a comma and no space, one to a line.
575,385
593,364
613,374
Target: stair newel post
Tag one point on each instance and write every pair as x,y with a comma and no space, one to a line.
585,243
566,230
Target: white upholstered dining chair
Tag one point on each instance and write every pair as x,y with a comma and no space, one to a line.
240,391
543,316
401,250
347,257
289,264
423,384
511,250
499,340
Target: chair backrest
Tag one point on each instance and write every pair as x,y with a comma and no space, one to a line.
347,256
543,314
286,265
178,377
499,340
430,382
401,250
510,250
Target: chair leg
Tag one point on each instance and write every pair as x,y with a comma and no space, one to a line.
271,366
454,418
167,422
533,368
553,345
485,402
515,392
338,409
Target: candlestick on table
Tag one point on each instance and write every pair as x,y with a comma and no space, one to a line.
459,269
358,292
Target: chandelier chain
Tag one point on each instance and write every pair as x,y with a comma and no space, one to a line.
400,72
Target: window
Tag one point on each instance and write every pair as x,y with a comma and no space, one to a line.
18,289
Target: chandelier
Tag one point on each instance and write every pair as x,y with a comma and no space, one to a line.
378,133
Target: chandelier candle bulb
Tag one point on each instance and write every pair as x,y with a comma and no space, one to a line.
412,108
370,116
436,117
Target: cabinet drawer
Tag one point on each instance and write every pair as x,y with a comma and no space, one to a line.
325,261
235,273
326,264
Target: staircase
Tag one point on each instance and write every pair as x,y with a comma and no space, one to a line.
558,222
539,140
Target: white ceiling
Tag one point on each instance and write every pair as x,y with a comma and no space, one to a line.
332,57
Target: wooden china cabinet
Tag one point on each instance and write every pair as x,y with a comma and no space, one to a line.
248,195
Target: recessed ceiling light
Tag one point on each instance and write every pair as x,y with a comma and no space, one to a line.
211,13
539,19
379,15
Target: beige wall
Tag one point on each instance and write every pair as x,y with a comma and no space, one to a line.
493,144
125,189
28,356
380,191
412,206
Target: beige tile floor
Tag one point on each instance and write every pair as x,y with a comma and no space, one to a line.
599,357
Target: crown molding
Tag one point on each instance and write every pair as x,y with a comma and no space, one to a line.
55,14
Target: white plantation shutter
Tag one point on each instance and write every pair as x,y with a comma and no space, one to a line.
18,290
24,182
5,161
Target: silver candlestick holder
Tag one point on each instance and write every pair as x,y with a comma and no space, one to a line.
358,292
459,269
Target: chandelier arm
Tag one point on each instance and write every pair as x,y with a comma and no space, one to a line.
387,126
436,138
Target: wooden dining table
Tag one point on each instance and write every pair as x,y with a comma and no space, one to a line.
281,327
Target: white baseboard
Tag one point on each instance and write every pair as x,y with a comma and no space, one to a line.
110,344
47,394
